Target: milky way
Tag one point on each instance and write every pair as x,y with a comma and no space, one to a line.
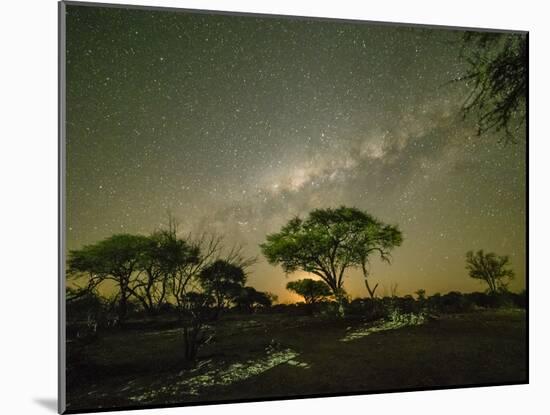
235,124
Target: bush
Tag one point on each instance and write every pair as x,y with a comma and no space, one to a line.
407,304
452,302
520,300
83,305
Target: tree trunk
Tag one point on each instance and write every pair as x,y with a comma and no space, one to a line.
373,291
332,282
191,332
150,304
364,267
122,307
310,307
340,300
162,293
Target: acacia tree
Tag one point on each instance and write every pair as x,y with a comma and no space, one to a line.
115,258
248,298
222,280
497,76
329,242
158,261
491,268
313,291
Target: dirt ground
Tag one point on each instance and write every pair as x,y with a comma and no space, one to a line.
266,356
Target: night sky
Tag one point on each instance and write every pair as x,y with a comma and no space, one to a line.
236,124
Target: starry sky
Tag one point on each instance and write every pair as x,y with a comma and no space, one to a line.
235,124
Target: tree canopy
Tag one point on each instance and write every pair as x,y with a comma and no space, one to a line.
312,290
249,298
497,76
490,268
223,280
162,267
330,241
116,258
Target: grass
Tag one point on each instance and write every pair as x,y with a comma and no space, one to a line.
263,356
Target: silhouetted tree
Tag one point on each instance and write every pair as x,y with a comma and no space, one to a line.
420,294
184,260
82,303
115,258
156,264
497,75
312,290
197,311
249,298
491,268
223,281
194,279
192,255
328,242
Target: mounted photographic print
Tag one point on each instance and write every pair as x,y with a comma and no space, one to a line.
258,207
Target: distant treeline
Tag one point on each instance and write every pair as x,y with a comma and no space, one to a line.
100,309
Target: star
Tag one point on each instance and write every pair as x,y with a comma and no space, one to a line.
238,124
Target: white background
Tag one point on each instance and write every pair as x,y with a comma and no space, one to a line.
28,203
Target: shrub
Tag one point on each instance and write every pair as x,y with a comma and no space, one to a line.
452,302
